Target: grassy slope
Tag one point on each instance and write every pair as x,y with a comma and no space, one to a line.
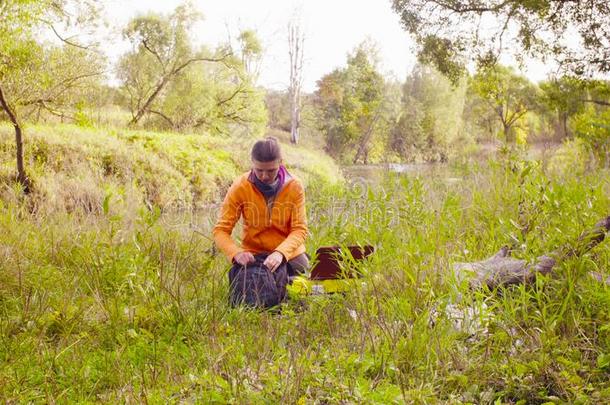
95,310
73,168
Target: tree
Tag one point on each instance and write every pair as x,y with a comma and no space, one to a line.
296,41
407,136
597,92
451,32
15,51
162,51
565,97
351,101
431,116
329,102
177,87
251,52
34,75
480,121
278,109
211,97
508,95
592,125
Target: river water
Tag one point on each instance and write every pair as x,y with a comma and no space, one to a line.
358,178
375,174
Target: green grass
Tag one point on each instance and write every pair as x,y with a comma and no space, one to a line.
119,308
76,169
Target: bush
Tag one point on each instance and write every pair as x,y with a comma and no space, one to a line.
571,157
594,129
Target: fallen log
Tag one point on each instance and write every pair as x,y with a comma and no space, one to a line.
501,269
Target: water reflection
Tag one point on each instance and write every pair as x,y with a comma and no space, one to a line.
375,174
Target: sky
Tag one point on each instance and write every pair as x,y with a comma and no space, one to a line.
333,28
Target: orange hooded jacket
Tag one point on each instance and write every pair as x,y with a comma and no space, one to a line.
280,226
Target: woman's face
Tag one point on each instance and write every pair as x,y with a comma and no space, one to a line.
266,171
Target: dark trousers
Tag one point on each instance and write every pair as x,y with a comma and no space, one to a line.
298,265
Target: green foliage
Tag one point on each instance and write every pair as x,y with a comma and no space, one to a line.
314,167
453,32
178,87
443,54
251,51
80,116
166,38
563,96
508,95
351,103
572,157
74,168
161,49
37,76
214,99
116,308
430,121
594,129
17,17
278,110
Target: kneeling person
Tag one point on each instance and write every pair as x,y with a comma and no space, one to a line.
272,204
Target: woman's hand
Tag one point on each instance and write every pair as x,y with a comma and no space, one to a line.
273,261
244,258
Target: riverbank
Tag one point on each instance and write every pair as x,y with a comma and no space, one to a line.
76,169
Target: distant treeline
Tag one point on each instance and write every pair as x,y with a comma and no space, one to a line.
365,117
167,82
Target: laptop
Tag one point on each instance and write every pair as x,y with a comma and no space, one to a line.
334,262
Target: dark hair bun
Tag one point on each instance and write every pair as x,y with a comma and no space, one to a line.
266,150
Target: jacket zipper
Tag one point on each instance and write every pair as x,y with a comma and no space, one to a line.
270,209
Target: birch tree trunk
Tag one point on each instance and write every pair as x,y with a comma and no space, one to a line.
296,40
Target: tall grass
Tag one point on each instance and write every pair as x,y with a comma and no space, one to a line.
77,169
111,309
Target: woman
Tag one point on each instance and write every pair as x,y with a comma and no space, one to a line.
272,204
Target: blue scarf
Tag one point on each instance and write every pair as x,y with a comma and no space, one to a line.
269,190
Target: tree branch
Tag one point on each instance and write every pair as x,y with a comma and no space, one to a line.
66,83
461,8
501,270
177,70
7,108
155,54
165,117
598,102
67,40
239,89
